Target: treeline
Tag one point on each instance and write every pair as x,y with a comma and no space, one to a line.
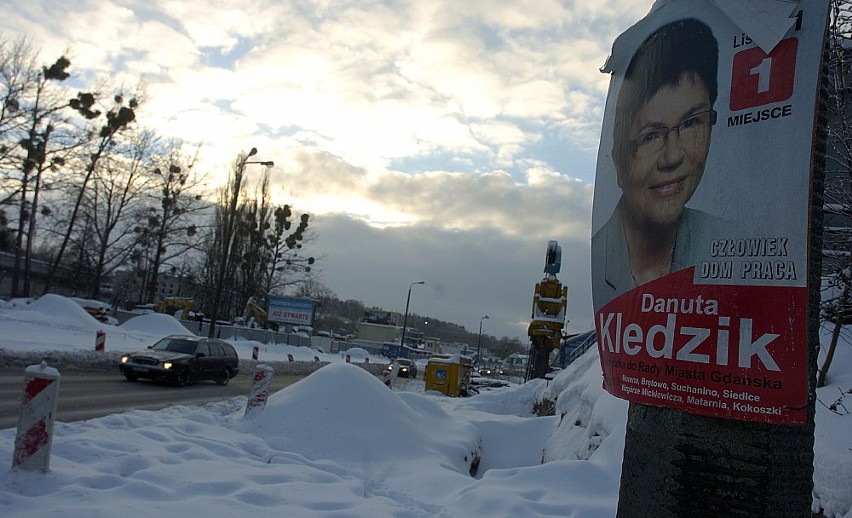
342,317
94,204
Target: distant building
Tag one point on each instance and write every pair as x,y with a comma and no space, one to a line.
516,362
381,316
66,281
377,332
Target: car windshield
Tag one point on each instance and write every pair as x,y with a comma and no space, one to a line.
407,363
175,345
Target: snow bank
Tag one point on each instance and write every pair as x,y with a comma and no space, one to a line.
158,324
379,425
55,311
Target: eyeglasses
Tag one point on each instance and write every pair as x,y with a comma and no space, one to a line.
689,131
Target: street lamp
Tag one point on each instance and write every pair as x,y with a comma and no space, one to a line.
228,234
479,342
405,319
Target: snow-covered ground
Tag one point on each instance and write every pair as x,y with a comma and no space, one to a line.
340,444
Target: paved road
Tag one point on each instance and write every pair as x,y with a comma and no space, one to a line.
86,395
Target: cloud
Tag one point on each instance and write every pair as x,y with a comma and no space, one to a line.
467,273
478,240
443,137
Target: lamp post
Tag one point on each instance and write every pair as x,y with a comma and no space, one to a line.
405,319
479,342
228,234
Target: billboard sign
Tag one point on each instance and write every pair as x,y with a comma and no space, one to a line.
700,217
380,316
288,310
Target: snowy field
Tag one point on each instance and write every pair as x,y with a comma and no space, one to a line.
340,444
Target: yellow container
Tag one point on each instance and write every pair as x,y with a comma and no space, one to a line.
449,374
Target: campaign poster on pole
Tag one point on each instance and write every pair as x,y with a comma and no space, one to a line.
701,208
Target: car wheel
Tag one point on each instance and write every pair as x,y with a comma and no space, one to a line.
130,376
225,377
183,378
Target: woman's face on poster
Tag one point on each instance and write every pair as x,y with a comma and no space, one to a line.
669,142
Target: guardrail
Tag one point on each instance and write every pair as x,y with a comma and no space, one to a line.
229,332
585,345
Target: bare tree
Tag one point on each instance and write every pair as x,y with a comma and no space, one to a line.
221,253
113,205
271,246
35,138
118,117
251,242
175,203
837,236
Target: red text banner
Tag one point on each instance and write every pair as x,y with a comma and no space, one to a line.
736,352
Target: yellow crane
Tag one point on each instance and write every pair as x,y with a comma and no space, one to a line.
172,305
548,314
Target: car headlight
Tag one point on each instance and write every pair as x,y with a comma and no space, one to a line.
167,365
124,359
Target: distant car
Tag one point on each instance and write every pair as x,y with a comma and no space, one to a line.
407,368
485,371
183,359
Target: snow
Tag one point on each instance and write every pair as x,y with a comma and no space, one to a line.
339,443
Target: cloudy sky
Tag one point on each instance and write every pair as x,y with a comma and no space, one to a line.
442,141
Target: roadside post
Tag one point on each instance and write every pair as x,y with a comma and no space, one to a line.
259,391
391,374
38,413
254,352
100,340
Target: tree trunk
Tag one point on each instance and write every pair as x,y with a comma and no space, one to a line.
829,355
90,170
698,466
19,239
28,254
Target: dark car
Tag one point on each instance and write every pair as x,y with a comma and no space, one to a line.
182,359
407,368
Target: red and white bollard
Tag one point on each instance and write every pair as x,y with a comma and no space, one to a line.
100,340
259,391
391,374
38,413
254,352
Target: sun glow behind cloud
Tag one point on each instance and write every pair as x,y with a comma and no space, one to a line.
476,118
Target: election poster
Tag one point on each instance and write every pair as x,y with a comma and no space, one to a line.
700,216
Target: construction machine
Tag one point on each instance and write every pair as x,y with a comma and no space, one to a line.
254,315
548,314
173,305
